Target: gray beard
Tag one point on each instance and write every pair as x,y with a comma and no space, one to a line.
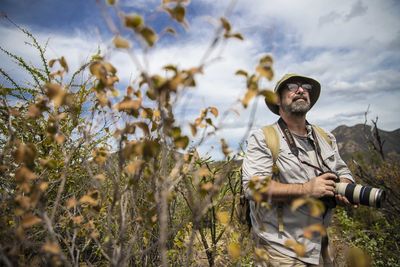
297,108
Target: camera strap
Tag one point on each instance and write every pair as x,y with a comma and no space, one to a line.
295,150
318,148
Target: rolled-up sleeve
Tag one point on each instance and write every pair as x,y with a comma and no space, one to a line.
341,168
257,161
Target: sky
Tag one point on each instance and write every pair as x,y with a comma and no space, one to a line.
352,47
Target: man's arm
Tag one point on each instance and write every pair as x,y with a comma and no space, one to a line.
317,187
258,162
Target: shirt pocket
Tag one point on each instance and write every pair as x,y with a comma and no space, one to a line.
328,156
291,170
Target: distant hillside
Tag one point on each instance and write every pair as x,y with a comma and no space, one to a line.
355,139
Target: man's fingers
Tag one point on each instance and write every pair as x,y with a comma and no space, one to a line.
343,200
329,193
330,187
330,183
328,176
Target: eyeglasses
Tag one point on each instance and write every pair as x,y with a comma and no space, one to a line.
293,87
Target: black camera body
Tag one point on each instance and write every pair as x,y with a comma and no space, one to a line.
330,202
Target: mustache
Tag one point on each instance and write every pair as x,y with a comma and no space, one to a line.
300,97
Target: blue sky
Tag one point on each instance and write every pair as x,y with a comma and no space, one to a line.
351,46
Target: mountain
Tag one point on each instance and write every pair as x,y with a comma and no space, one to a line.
358,138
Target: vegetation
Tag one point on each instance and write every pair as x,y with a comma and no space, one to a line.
88,177
374,230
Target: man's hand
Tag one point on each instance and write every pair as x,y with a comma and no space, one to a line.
342,200
320,186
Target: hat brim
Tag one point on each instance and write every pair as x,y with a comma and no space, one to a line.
314,94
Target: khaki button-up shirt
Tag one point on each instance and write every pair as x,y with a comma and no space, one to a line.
258,162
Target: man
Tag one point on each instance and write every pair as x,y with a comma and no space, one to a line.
308,167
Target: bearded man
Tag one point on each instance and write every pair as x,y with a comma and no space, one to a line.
307,166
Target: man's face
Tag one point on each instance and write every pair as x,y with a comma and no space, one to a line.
295,98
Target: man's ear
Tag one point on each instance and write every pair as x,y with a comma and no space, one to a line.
278,100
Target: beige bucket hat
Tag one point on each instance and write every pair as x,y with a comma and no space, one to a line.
314,94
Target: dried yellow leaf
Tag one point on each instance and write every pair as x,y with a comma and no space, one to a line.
24,174
77,219
261,255
265,71
102,98
133,21
29,220
214,111
60,138
297,203
95,234
98,70
51,247
241,72
121,42
63,63
314,228
156,115
23,201
71,203
193,129
33,111
225,147
207,186
43,186
267,60
86,199
257,196
356,257
51,62
225,24
133,167
100,177
270,96
148,35
25,153
250,94
298,248
234,250
316,207
204,171
128,104
223,217
170,30
181,142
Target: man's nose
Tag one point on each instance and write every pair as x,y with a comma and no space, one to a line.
300,90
